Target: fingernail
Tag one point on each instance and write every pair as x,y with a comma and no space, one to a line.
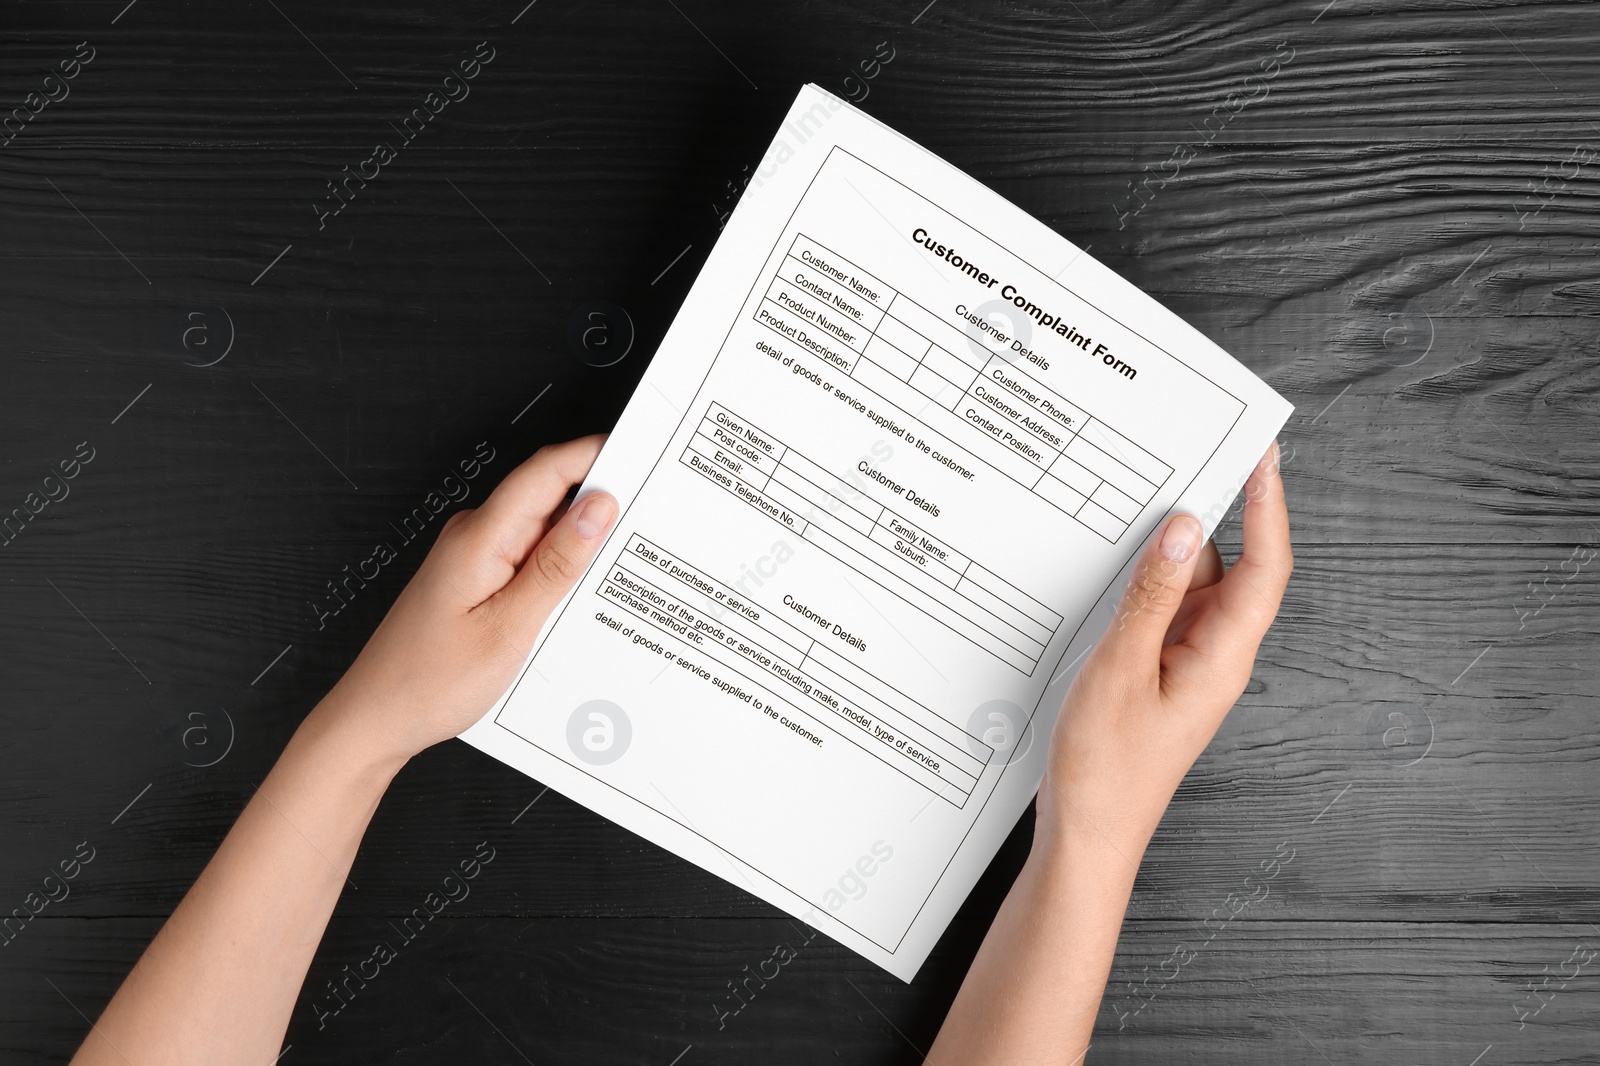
1268,465
1181,539
1266,468
595,514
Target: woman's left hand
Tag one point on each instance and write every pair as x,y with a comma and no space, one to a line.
465,623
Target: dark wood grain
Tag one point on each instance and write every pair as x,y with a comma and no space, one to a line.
510,990
1397,233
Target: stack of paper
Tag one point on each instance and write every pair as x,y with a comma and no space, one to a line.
880,489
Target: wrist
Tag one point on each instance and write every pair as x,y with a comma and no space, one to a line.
1067,843
336,730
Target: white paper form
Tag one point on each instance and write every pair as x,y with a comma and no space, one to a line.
881,487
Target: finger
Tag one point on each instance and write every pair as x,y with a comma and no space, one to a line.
1208,570
456,519
1252,590
520,510
1154,593
553,567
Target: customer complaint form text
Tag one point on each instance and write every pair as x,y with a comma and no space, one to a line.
880,516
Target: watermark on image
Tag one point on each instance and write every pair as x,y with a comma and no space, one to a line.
1021,317
55,88
453,88
1003,726
1001,320
600,332
599,732
856,90
351,982
1546,192
53,488
1142,194
742,991
1540,594
1406,334
455,487
1541,994
1258,887
207,737
1401,734
203,335
851,886
53,889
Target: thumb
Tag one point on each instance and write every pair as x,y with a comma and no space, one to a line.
1154,593
554,566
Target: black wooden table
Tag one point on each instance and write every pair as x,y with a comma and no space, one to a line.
240,345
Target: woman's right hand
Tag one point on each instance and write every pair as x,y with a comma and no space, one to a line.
1153,691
